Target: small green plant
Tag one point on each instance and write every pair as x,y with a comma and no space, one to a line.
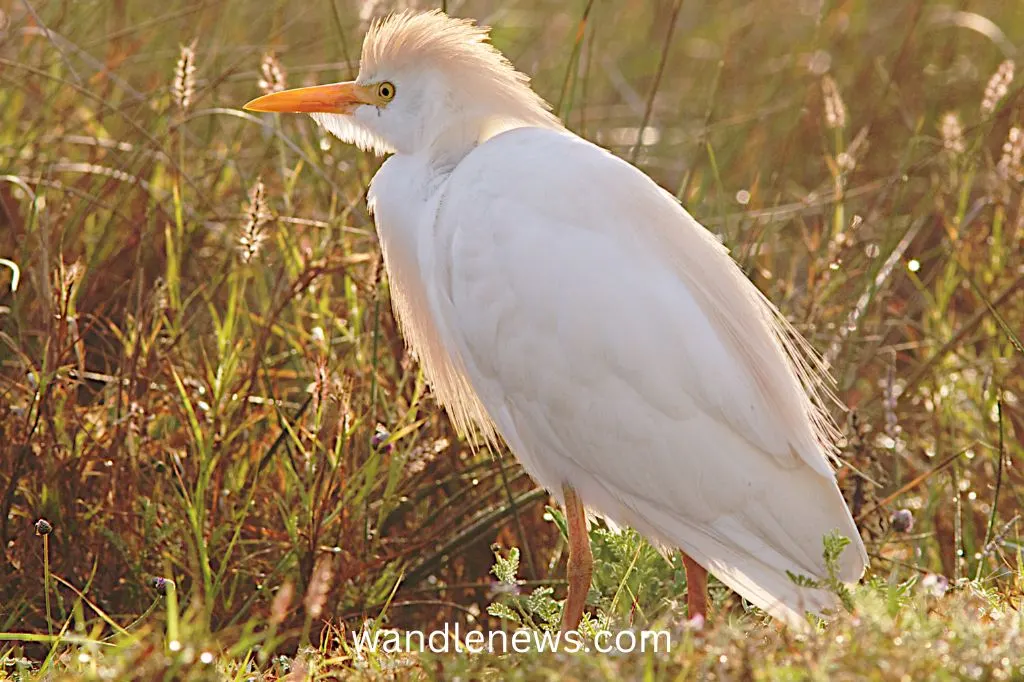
633,582
833,545
537,610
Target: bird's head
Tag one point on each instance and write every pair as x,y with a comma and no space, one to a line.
426,81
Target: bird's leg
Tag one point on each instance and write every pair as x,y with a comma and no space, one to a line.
581,562
696,588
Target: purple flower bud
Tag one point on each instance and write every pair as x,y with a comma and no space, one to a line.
160,584
935,584
380,438
902,521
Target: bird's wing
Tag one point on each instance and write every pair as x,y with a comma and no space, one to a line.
618,348
548,209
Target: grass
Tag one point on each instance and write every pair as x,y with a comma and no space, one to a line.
204,394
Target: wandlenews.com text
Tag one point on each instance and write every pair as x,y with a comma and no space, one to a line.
451,639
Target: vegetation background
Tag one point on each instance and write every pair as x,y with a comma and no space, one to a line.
201,380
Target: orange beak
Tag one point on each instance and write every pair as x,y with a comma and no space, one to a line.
336,98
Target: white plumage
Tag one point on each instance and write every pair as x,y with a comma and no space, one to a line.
557,297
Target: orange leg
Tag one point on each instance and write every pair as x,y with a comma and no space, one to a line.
580,568
696,588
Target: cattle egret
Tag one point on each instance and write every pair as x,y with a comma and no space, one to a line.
557,297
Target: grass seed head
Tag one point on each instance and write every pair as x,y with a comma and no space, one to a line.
158,301
184,86
252,236
835,109
998,86
66,279
272,74
319,587
376,272
1011,164
282,600
952,132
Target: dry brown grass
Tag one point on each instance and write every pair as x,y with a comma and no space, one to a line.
202,381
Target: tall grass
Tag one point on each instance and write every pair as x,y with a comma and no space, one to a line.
201,381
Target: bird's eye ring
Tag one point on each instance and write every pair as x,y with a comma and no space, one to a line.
386,91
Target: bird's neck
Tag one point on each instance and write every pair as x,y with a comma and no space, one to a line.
448,148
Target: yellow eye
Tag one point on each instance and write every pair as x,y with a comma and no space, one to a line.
386,91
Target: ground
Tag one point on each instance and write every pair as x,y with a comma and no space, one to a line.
218,461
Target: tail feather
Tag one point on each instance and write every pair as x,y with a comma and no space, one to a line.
737,552
766,585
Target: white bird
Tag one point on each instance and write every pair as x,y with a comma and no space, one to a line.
557,297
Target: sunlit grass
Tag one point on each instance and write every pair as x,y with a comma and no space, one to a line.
204,394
